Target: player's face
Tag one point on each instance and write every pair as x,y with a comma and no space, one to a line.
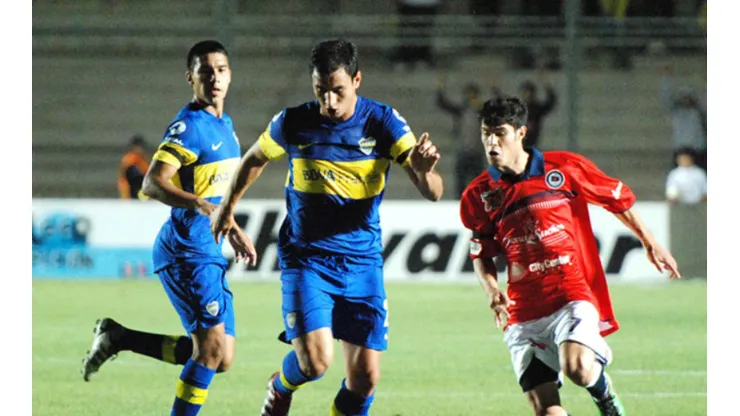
503,143
337,93
210,78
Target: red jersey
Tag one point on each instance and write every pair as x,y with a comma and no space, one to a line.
539,221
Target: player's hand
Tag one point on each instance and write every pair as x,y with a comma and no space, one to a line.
499,301
204,207
221,223
662,260
242,245
424,156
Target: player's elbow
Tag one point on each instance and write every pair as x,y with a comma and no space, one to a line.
149,187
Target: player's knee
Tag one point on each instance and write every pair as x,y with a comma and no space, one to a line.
316,366
225,364
211,354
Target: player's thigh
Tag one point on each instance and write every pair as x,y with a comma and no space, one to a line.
200,295
578,336
534,354
362,318
307,316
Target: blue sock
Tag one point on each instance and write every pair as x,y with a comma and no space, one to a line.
192,389
348,403
291,377
598,388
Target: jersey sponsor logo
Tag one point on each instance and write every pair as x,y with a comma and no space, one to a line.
212,308
534,234
547,264
366,145
617,192
175,140
218,177
338,176
493,199
177,128
555,179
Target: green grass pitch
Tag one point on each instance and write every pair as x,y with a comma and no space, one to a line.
445,356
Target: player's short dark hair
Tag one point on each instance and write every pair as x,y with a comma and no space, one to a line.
331,55
203,48
505,109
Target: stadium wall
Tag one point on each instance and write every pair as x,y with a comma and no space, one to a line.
109,239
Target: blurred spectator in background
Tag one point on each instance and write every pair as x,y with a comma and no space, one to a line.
133,167
686,183
688,117
415,33
469,161
538,109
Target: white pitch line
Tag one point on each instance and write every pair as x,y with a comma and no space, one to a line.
658,372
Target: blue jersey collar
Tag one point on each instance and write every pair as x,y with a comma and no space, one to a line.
535,167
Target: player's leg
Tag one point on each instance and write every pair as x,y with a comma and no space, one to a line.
362,325
205,304
362,369
110,337
307,313
584,355
534,357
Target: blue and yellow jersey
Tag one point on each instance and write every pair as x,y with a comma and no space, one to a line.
206,151
336,177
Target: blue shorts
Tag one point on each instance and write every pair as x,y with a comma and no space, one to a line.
332,294
200,295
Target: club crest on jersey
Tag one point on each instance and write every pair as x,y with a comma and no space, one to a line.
366,145
493,199
555,179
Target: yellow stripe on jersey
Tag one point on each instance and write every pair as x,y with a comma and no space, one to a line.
406,142
269,146
353,180
213,179
191,394
188,157
167,157
175,180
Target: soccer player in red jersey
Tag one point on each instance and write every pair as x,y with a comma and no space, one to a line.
531,207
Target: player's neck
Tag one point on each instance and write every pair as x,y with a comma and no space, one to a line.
216,109
518,164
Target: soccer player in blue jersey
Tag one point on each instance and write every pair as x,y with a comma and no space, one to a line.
190,172
340,148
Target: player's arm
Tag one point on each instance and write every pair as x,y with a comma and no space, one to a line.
180,147
616,197
422,160
269,146
483,249
250,168
157,185
418,159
